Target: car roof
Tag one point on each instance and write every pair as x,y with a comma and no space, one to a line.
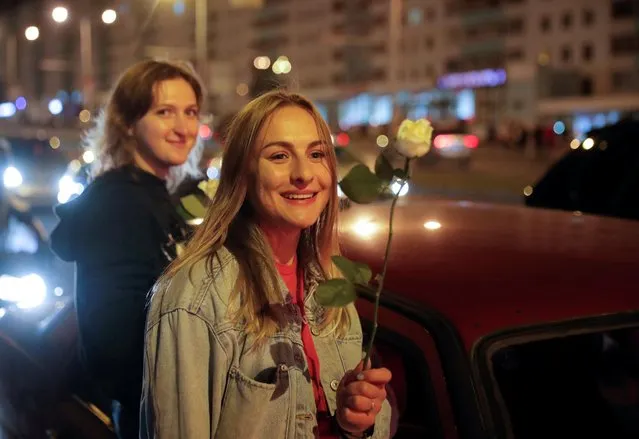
493,267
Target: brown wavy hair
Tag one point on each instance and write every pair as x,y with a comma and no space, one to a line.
231,223
130,99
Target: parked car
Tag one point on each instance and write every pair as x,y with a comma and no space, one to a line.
33,170
496,321
600,175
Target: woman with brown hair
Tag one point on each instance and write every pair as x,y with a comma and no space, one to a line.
236,345
121,231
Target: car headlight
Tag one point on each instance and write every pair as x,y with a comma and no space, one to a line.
25,292
68,188
11,178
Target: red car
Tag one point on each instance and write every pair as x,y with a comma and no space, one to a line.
505,322
497,322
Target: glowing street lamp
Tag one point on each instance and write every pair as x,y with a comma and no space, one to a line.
109,16
32,33
60,14
282,66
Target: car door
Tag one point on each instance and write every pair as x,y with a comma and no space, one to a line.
431,388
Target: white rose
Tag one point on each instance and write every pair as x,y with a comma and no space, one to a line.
209,187
414,138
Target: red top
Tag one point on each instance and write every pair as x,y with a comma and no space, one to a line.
295,285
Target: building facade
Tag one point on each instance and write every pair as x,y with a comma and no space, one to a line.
362,61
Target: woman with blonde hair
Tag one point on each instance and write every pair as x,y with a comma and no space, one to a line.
121,230
236,345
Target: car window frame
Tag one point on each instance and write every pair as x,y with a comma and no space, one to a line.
455,363
483,350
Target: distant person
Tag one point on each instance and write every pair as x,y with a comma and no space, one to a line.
237,345
121,231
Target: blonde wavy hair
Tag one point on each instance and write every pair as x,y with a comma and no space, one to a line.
131,98
231,223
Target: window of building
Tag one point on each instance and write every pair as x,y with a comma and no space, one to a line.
415,16
587,51
626,44
452,65
515,26
545,24
515,54
566,53
625,80
624,8
588,17
586,87
566,20
431,14
543,58
429,43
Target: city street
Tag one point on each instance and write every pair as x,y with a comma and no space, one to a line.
495,174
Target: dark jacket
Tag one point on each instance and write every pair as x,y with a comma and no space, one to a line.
117,232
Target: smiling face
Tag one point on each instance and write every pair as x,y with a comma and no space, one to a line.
167,133
293,181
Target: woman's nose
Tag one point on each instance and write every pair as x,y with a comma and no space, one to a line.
302,173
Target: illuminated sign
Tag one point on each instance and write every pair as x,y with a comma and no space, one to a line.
473,79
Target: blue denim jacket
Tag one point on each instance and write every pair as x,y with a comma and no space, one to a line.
203,380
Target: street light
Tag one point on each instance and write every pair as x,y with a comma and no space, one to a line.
109,16
282,66
262,62
60,14
32,33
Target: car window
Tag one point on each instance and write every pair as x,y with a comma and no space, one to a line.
583,385
418,386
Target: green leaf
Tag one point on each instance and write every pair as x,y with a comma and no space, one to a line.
335,293
383,168
356,272
183,213
361,185
193,206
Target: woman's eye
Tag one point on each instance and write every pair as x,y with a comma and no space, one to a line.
318,154
164,112
192,113
278,156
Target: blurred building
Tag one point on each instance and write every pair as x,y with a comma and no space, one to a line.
495,62
363,61
575,61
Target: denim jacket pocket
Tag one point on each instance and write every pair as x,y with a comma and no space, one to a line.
251,407
350,350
